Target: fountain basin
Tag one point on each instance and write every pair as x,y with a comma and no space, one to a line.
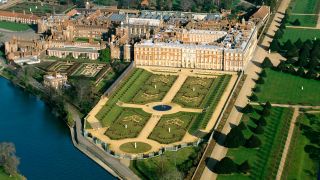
162,107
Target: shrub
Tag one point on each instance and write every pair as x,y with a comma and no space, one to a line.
253,142
244,167
296,22
225,166
235,138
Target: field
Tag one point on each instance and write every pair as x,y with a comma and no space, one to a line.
168,166
305,6
294,34
128,125
37,8
264,161
178,124
305,20
12,26
285,88
299,165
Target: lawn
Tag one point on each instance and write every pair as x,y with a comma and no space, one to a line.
285,88
178,124
128,124
294,34
264,161
37,9
299,165
12,26
193,92
153,89
135,147
4,176
305,20
171,165
305,6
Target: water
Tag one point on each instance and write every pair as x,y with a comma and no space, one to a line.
162,108
42,141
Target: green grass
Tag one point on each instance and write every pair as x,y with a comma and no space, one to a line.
164,165
305,6
299,165
40,10
135,119
12,26
193,92
178,124
294,34
305,20
5,176
285,88
264,161
130,147
210,102
154,89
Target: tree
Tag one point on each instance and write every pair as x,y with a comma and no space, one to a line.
275,45
258,129
244,167
267,105
235,138
288,45
296,22
293,52
242,125
262,121
265,112
253,97
266,63
298,43
105,55
247,109
300,72
8,159
263,73
256,89
260,80
278,34
253,142
225,166
311,74
282,66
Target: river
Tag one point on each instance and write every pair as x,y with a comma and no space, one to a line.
42,141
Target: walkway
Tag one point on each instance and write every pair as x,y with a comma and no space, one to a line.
251,70
288,141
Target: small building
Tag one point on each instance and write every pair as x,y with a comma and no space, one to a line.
261,15
55,80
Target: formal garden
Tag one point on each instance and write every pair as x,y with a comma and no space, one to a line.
303,156
172,128
305,7
128,124
153,89
256,144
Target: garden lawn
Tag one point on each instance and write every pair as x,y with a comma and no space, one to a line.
164,165
305,20
304,34
135,119
12,26
298,164
130,147
178,124
37,9
283,88
263,161
305,6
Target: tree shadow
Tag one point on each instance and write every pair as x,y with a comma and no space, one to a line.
199,133
219,137
258,64
239,109
210,163
266,48
268,35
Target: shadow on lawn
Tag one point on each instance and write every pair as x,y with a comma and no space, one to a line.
210,163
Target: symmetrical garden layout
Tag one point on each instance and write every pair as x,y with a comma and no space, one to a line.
155,108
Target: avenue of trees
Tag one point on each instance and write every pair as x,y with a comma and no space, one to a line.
8,160
235,139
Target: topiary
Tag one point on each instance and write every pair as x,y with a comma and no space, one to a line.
253,142
235,138
225,166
